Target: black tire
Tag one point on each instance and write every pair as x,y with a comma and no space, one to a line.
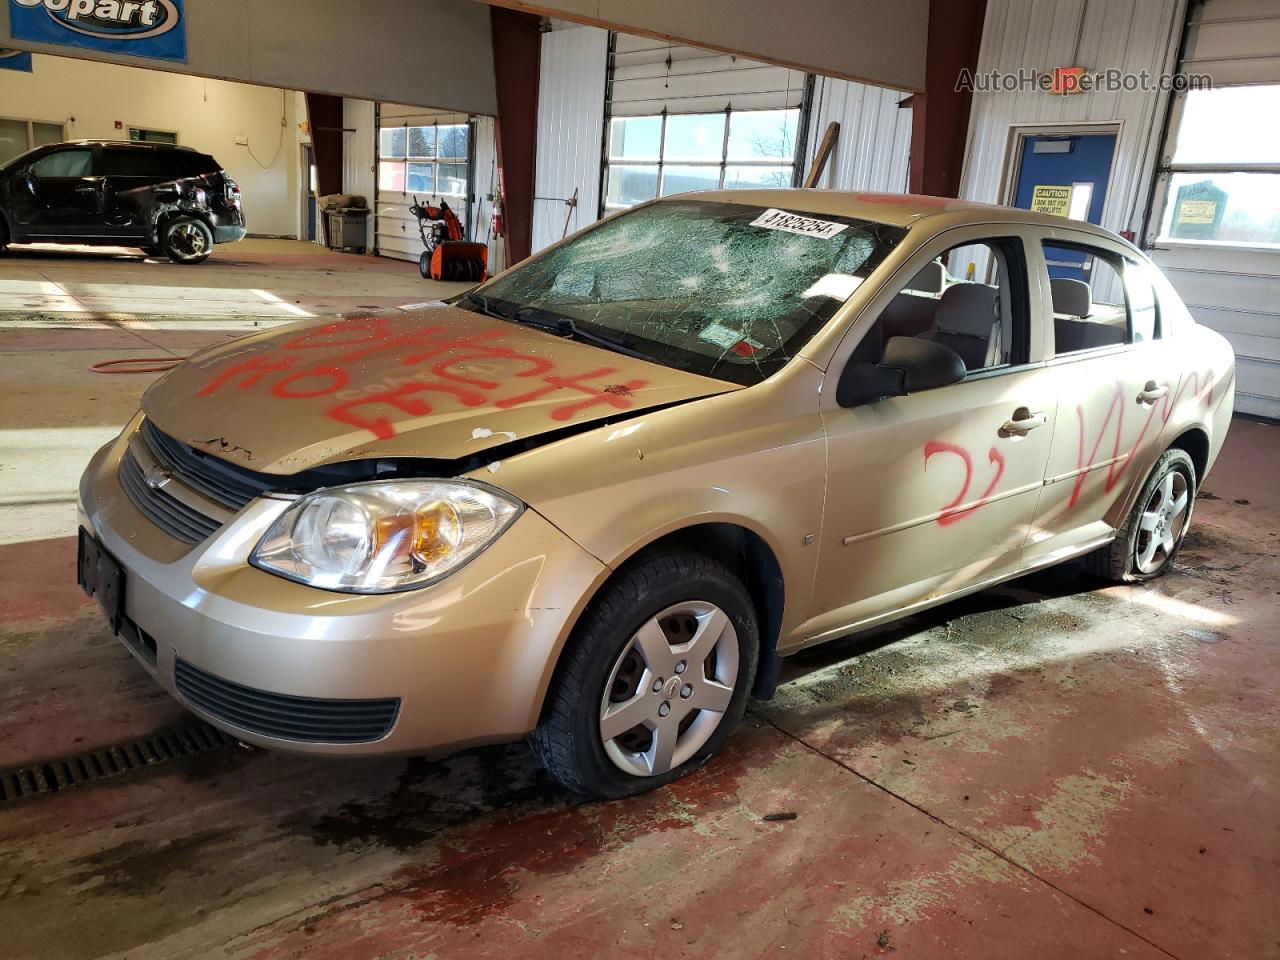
186,240
424,264
568,740
1118,561
4,235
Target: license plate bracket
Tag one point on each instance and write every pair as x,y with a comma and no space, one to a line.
102,577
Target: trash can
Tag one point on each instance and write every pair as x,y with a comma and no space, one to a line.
347,228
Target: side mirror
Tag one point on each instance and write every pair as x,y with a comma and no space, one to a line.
910,364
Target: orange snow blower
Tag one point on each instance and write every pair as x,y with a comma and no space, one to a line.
447,256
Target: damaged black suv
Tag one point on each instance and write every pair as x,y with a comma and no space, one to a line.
160,197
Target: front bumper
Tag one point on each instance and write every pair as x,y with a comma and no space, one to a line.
469,658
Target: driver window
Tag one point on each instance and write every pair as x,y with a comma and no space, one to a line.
63,163
983,321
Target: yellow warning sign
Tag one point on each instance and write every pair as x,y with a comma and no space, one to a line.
1197,211
1055,201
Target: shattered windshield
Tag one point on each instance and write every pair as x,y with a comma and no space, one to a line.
724,290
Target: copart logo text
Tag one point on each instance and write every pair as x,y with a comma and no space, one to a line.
111,19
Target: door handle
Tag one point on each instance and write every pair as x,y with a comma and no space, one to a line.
1151,393
1023,422
87,188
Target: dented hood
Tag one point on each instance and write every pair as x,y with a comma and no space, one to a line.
440,383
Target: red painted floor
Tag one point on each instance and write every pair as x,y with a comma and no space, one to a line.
1051,769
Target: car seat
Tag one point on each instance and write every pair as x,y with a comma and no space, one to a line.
967,322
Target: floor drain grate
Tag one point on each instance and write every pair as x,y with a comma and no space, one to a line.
52,776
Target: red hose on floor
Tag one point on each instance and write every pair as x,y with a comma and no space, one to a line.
160,365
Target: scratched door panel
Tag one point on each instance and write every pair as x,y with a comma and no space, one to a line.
1104,444
925,496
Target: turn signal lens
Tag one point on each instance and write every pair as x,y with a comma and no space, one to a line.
384,536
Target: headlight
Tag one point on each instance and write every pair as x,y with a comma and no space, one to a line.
385,535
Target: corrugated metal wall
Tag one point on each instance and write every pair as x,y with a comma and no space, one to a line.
358,154
873,151
1132,35
570,131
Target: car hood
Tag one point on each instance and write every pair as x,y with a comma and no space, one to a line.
438,383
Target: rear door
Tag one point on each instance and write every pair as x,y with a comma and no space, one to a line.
1116,379
130,178
66,197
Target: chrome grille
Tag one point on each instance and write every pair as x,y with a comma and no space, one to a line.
167,512
286,717
221,482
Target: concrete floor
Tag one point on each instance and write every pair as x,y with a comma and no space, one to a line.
1049,769
262,280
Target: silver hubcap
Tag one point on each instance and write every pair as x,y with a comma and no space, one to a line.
188,240
1163,522
669,688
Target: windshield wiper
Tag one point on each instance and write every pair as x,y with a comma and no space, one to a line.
486,307
566,327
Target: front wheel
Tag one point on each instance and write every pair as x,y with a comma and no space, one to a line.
654,679
187,240
1145,546
424,264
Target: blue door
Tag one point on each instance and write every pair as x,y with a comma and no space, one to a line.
1066,175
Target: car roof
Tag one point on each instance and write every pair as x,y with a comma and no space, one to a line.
124,143
896,209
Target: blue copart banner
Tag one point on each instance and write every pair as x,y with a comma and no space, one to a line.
15,60
154,29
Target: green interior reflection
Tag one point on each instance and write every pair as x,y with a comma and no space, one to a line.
694,285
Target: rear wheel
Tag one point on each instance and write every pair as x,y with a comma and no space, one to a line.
424,264
654,680
1146,545
186,240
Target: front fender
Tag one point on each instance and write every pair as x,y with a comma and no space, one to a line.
749,458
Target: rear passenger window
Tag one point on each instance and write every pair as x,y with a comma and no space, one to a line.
1100,299
139,164
983,320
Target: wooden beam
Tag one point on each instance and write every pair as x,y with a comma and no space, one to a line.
824,154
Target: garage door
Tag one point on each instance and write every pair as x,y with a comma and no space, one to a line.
683,118
424,154
1217,232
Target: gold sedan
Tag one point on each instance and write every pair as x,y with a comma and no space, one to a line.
595,500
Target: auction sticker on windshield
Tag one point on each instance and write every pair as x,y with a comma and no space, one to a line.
773,219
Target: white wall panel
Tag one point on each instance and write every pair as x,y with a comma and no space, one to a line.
358,154
873,151
1131,35
570,131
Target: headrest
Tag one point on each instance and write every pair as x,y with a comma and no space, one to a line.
929,280
968,309
1071,298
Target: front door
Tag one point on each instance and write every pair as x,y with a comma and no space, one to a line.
934,492
66,199
1065,175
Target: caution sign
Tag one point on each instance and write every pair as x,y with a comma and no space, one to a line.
1055,201
1197,211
